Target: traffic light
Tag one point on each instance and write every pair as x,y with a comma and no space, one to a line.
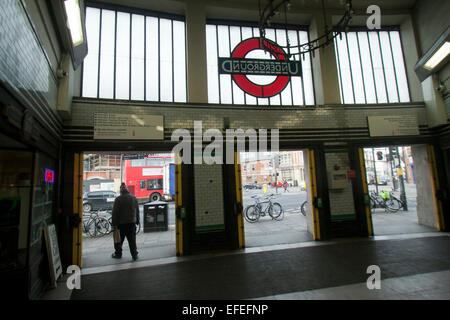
380,155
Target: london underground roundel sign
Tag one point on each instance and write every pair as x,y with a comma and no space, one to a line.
239,68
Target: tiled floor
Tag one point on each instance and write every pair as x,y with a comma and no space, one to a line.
414,266
426,286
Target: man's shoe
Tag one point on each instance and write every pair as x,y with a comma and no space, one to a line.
135,257
116,256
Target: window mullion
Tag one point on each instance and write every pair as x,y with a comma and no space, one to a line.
218,74
372,67
231,76
339,69
350,66
240,40
173,72
290,80
131,40
115,54
145,58
303,76
393,64
159,61
99,52
362,70
382,66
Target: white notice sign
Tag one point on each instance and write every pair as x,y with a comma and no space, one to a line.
389,126
54,259
128,126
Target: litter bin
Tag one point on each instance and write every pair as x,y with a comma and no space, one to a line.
155,216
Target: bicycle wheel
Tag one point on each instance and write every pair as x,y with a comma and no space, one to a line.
102,226
303,208
276,211
86,220
393,204
373,203
90,228
252,214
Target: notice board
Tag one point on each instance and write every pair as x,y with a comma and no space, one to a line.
391,126
118,126
54,259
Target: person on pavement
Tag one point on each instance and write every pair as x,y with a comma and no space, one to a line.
285,185
125,217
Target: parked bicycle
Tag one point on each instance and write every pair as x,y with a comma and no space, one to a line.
108,213
397,204
384,200
303,207
95,225
259,209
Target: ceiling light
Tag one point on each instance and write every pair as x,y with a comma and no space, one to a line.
438,56
435,58
74,21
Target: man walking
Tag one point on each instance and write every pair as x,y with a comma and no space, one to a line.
125,217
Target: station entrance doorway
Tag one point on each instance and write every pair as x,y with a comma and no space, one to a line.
274,192
150,177
400,188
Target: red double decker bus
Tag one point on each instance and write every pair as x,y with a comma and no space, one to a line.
145,177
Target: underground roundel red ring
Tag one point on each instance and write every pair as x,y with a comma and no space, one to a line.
259,91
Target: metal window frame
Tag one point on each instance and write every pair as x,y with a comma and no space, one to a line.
290,82
242,24
312,73
144,13
302,79
361,67
377,88
131,58
393,65
115,54
372,68
382,64
351,70
404,64
338,58
99,52
231,77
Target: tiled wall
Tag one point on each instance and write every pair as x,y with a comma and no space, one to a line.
248,117
341,200
209,208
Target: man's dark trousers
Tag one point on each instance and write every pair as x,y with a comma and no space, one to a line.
127,231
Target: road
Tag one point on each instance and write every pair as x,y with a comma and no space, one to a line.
290,201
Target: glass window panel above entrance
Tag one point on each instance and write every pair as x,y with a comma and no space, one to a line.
371,67
222,39
134,55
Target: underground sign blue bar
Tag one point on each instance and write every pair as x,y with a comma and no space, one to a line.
260,67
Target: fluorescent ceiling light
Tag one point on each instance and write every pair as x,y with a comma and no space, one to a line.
438,56
74,20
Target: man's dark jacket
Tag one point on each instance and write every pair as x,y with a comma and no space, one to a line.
125,210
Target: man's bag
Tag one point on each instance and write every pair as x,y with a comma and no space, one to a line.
116,236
